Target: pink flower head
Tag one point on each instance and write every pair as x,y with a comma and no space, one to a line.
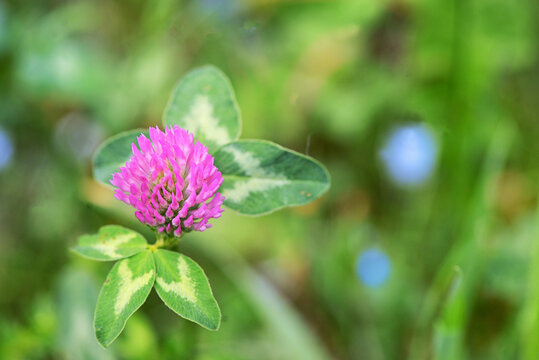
171,181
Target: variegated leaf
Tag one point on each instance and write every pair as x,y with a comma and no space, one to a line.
113,153
204,103
261,177
112,242
125,290
183,287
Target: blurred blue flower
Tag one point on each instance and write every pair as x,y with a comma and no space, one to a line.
409,154
373,267
6,149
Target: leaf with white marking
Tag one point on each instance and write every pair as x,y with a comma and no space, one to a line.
112,242
113,153
125,290
204,103
184,288
261,177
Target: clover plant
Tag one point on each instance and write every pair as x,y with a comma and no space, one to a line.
178,180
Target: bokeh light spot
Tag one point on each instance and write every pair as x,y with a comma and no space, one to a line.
373,267
6,149
409,154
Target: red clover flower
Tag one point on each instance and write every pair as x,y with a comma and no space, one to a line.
171,181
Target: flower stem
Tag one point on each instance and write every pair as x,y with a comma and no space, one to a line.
171,241
163,241
158,243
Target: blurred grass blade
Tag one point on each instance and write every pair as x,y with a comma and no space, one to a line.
449,333
466,250
285,324
530,311
261,177
76,296
283,320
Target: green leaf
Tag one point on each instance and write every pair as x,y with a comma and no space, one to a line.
261,177
204,103
113,154
183,287
112,242
125,290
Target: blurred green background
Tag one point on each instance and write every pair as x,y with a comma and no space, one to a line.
425,113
